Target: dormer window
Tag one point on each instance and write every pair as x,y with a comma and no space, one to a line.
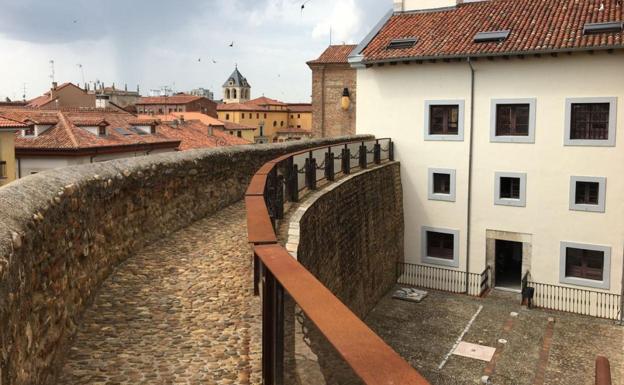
491,36
609,27
402,43
30,131
153,129
101,130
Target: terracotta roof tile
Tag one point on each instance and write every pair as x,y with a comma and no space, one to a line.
10,123
334,54
66,132
194,134
536,26
264,101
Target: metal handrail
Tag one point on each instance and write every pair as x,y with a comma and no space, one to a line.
370,358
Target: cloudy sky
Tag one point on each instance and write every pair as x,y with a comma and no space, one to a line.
157,43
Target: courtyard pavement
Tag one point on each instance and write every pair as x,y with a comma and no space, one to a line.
181,311
536,352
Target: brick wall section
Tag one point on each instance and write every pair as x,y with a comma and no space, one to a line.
352,237
63,231
328,82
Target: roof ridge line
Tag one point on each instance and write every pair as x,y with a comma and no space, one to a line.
68,128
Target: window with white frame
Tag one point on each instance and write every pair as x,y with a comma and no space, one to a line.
444,120
510,189
585,265
442,184
513,120
440,246
588,193
590,121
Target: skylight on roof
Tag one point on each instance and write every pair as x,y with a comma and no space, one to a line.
612,26
402,43
490,36
122,131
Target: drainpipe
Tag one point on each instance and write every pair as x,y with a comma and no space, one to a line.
470,160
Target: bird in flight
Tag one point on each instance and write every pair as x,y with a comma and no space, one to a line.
214,61
303,5
199,60
232,44
75,21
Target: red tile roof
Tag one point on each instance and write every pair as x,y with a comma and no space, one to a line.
264,101
536,26
300,107
193,134
66,136
173,100
334,54
10,123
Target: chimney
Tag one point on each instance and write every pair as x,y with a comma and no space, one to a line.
181,119
210,130
54,85
420,5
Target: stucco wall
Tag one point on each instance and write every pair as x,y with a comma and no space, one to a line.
7,154
401,91
63,231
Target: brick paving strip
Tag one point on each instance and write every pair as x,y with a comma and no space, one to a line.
542,364
491,366
181,311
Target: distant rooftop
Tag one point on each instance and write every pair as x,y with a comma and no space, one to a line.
334,54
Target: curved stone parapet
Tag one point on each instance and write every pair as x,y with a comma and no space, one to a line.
63,231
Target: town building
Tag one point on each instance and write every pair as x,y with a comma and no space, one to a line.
246,132
8,129
508,123
236,88
63,96
159,105
203,92
334,85
105,96
58,138
268,116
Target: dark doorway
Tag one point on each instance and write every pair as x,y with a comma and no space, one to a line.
508,264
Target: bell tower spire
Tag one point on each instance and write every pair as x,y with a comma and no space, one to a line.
236,88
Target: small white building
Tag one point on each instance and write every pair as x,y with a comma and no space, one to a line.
508,121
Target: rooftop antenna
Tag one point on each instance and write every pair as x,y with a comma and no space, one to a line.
330,35
52,70
81,72
24,92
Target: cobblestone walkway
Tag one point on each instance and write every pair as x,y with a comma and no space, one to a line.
180,312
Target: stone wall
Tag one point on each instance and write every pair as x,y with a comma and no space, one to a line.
328,82
351,236
63,231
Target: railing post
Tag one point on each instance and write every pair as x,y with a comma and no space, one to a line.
288,174
391,150
294,183
310,172
377,152
363,162
329,165
346,160
279,197
272,330
270,195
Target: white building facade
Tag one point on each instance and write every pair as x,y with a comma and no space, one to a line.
510,161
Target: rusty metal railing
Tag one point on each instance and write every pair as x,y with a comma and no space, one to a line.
603,371
279,277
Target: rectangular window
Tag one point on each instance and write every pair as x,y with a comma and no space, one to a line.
443,120
441,183
102,131
589,121
30,131
512,119
587,193
3,169
257,116
440,245
582,263
509,188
